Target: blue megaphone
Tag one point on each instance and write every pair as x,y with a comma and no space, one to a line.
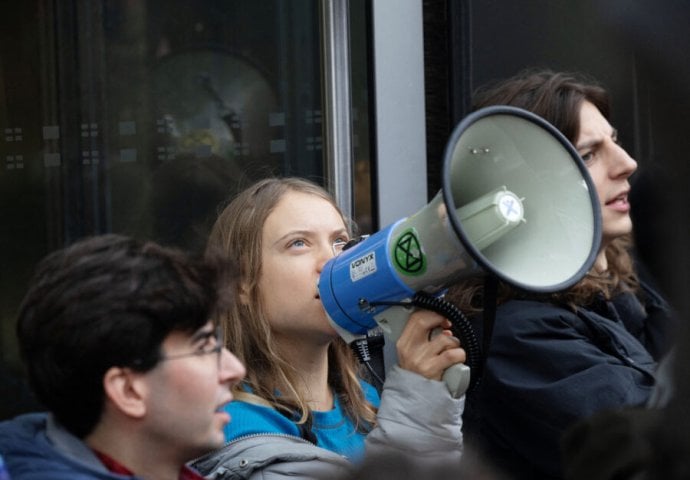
516,202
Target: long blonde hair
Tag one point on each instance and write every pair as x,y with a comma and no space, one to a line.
237,233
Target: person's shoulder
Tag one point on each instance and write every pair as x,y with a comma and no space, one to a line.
273,455
530,321
525,306
533,310
24,427
29,455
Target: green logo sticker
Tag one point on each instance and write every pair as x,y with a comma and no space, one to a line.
408,257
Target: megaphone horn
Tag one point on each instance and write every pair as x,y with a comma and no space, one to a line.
517,202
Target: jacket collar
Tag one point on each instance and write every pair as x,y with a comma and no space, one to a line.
71,446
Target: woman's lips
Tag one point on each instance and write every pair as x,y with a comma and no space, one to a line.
619,203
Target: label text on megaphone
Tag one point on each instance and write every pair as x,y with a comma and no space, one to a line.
363,266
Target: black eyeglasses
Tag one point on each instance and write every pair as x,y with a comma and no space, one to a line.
338,247
341,245
213,343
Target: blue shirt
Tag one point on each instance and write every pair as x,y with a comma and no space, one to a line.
333,429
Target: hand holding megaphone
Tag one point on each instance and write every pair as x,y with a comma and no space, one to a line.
517,202
427,346
411,328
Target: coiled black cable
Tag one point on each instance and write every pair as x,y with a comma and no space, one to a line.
461,328
369,351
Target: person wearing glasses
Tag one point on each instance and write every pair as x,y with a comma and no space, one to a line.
118,345
303,409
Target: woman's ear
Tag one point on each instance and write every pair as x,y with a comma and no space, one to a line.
126,391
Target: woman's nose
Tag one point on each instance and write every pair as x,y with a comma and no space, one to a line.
325,254
625,165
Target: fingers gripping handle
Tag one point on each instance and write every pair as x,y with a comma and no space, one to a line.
457,377
393,320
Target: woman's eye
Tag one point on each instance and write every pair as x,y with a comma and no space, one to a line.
297,243
339,244
586,157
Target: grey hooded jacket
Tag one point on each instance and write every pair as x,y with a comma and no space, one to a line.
417,416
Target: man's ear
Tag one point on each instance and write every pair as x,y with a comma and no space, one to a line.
126,390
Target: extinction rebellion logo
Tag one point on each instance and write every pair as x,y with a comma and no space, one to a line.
407,254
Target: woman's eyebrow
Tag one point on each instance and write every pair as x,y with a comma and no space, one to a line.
301,233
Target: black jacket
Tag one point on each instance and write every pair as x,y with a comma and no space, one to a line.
549,367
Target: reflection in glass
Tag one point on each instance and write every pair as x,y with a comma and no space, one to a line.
141,118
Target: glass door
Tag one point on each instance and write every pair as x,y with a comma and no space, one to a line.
141,117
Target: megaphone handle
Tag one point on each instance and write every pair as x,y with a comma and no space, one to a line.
457,378
393,320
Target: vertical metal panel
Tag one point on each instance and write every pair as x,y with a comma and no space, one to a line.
337,128
399,98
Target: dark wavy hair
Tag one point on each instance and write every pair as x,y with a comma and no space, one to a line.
556,97
109,301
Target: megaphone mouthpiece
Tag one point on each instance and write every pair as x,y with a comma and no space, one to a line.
491,216
557,233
